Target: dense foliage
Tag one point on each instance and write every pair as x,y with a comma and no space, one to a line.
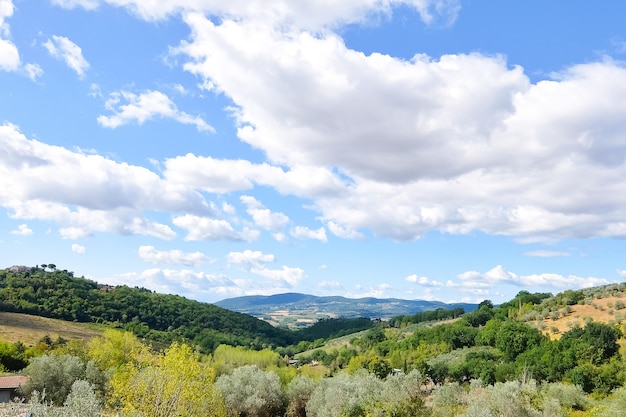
489,362
58,294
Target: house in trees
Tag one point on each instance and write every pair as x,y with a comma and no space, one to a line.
9,387
19,268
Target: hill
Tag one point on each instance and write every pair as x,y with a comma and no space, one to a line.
49,292
565,311
299,310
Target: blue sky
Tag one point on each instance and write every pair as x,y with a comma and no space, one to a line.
422,149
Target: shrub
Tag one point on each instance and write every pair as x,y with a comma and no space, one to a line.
252,392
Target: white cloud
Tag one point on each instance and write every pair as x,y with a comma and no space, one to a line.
344,232
254,262
303,232
546,253
376,291
70,4
33,71
310,15
23,230
195,285
128,107
500,275
331,286
205,228
86,193
224,176
263,217
502,158
424,281
9,55
78,248
64,49
176,257
253,259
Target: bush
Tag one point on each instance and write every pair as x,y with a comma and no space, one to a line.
55,375
344,395
252,392
299,392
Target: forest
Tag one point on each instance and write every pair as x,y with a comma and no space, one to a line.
496,361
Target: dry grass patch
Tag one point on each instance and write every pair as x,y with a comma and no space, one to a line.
601,310
16,327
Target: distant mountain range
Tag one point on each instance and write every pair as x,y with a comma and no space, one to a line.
295,309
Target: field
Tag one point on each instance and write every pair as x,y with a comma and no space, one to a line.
29,330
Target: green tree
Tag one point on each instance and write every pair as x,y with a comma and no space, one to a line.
173,384
514,338
299,392
251,392
55,375
344,395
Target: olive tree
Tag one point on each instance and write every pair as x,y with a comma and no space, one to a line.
344,395
251,392
54,376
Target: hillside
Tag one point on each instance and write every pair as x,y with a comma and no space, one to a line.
570,309
298,310
53,293
29,329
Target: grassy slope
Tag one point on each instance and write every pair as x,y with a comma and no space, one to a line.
16,327
601,310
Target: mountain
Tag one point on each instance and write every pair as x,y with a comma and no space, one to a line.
297,310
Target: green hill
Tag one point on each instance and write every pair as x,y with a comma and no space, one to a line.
58,294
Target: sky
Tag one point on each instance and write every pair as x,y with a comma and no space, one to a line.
441,150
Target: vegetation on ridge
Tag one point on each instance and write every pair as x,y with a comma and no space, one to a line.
495,361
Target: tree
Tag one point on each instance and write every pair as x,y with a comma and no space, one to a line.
114,349
81,402
344,395
515,337
250,392
55,375
299,392
170,385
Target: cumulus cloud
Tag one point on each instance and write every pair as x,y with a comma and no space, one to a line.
33,71
500,275
195,285
376,291
255,262
254,259
424,281
206,228
175,257
128,107
263,217
224,176
22,230
311,15
86,193
396,147
303,232
469,142
344,232
331,286
64,49
9,55
70,4
76,248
